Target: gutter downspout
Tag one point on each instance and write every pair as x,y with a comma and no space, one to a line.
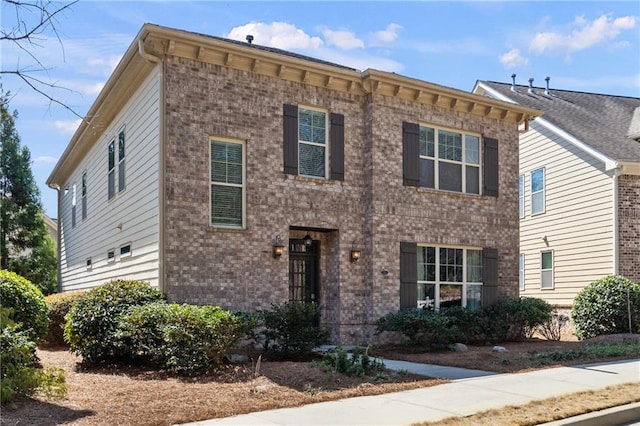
148,56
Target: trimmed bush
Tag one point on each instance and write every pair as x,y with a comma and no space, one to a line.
27,304
291,330
186,339
552,329
59,306
420,326
92,324
603,307
358,363
516,319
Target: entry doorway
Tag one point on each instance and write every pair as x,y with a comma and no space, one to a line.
304,256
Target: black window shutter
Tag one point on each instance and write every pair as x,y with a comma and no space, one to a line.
489,276
410,154
490,167
408,275
336,151
290,139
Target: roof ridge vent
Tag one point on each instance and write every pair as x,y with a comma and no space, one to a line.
513,84
530,90
546,91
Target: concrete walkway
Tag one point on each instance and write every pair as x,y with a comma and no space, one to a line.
467,394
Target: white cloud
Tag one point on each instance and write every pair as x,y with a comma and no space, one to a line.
276,34
585,34
342,39
44,160
389,34
66,127
470,46
104,66
513,59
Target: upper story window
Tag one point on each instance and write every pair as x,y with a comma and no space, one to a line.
521,195
73,204
449,160
313,143
312,147
121,152
227,183
111,173
537,191
84,195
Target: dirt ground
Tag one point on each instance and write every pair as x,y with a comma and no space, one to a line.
134,396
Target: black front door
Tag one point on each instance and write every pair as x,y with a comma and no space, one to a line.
304,271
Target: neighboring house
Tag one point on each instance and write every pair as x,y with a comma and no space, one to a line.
52,228
233,174
579,189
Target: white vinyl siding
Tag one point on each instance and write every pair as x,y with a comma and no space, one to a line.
578,223
521,272
131,217
521,195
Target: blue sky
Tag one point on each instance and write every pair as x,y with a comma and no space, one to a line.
589,46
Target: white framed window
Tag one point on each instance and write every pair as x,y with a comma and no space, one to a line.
111,169
111,256
227,183
538,184
121,161
89,264
449,276
125,250
83,195
449,160
521,195
313,152
521,272
546,270
74,199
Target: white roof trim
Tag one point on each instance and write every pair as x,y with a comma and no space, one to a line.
609,162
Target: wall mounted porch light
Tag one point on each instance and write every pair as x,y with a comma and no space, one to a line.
308,241
355,253
278,247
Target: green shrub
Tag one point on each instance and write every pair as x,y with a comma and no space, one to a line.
467,325
552,329
92,324
359,363
186,339
291,328
27,303
420,326
515,319
603,307
18,373
59,306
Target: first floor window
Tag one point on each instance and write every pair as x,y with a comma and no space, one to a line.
546,269
227,183
449,276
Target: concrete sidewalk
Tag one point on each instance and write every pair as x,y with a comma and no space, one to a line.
466,394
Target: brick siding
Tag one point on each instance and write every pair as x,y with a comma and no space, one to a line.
629,226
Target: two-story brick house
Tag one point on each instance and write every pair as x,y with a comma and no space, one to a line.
233,174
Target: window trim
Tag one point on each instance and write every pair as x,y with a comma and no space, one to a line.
111,255
327,129
521,269
463,162
438,282
521,196
127,254
243,144
551,270
543,191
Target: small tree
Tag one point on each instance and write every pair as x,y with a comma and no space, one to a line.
25,246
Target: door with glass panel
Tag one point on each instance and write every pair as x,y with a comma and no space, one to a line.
303,271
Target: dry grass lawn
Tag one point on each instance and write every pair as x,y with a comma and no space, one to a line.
115,395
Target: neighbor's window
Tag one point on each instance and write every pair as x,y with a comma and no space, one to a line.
125,250
121,178
521,195
111,179
546,269
537,191
449,277
73,205
521,272
227,183
84,195
449,160
312,142
111,256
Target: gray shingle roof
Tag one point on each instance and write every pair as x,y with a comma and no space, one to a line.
600,121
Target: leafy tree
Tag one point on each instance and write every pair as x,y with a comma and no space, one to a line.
25,246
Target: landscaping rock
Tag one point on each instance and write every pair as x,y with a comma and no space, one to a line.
458,347
500,349
236,358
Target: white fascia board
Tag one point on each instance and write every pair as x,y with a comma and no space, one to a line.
610,163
